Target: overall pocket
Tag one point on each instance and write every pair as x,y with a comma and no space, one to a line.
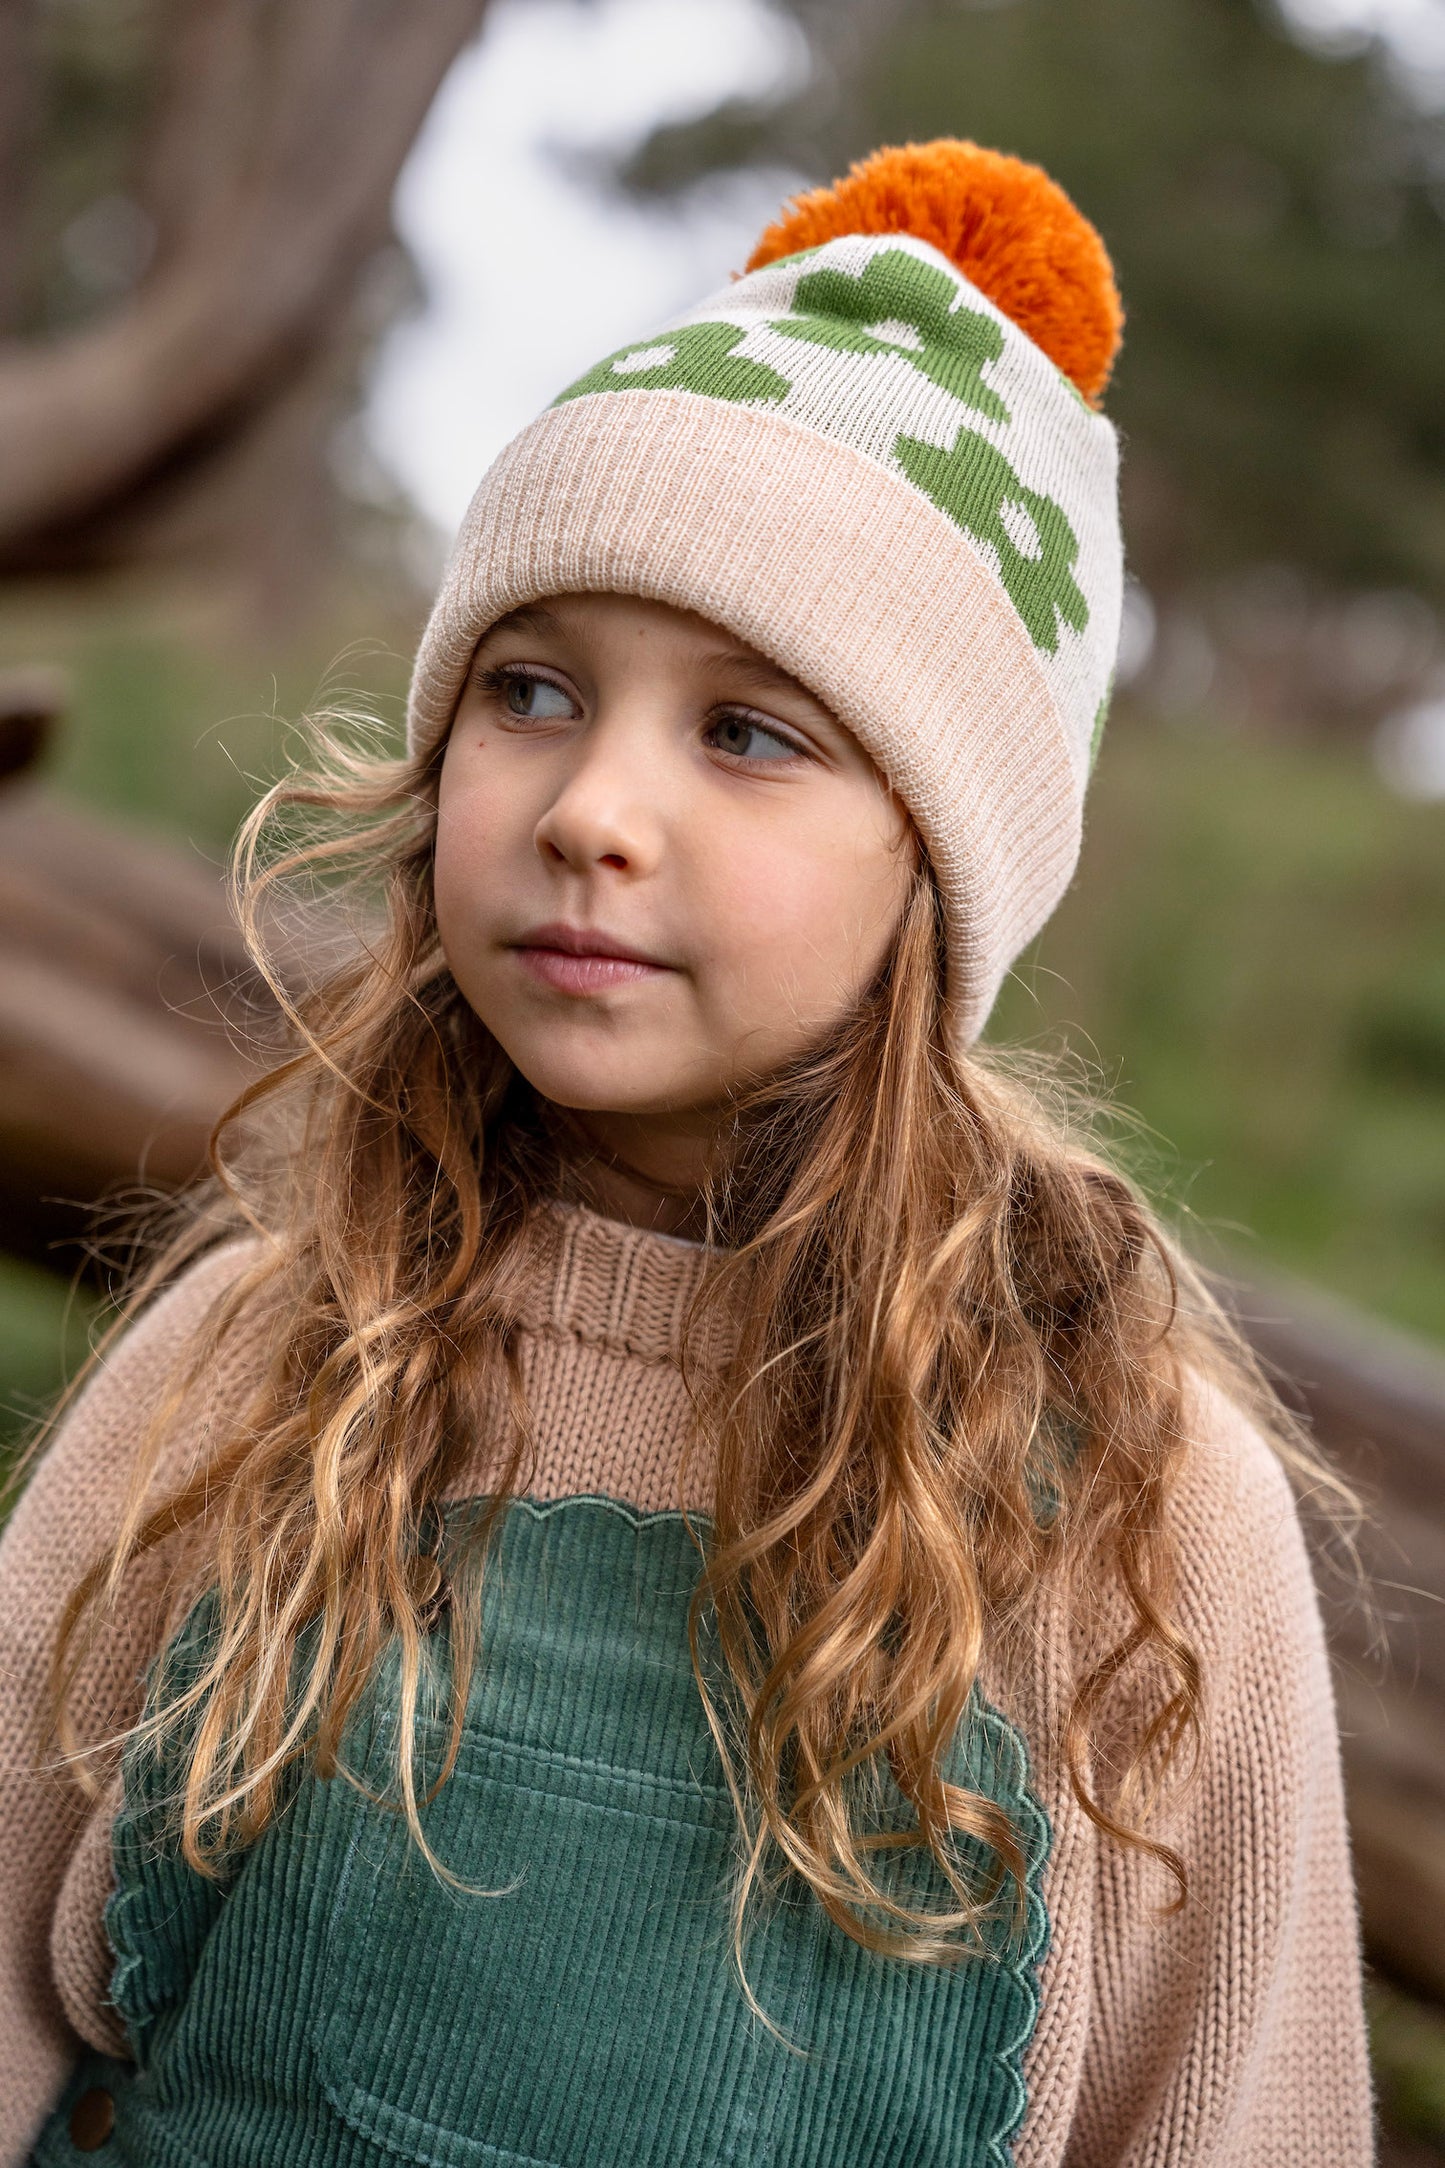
584,2015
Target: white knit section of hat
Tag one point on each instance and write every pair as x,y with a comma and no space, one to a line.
1058,446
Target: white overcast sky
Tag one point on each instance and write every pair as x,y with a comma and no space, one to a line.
531,272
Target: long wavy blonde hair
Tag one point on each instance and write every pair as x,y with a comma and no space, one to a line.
965,1349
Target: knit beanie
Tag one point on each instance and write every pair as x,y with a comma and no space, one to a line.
876,456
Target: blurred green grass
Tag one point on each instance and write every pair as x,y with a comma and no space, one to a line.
44,1326
177,715
1250,953
1407,2051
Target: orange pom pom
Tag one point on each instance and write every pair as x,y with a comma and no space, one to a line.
1002,222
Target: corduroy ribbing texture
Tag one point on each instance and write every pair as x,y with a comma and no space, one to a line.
858,464
575,2002
1230,2036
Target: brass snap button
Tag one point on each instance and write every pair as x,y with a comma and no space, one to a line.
92,2120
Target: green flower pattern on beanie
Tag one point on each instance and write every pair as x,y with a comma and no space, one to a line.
903,306
975,485
897,296
699,357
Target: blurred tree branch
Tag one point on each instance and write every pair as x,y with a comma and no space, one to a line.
265,171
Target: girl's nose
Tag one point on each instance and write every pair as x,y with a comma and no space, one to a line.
602,816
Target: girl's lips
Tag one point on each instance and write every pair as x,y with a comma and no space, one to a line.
587,974
581,959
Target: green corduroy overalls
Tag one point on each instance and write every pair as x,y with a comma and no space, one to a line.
333,2003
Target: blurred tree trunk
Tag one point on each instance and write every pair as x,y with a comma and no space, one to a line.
266,170
17,121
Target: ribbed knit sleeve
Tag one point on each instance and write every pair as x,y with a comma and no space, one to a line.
69,1509
1232,2036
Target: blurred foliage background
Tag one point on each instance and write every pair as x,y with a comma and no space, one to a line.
202,260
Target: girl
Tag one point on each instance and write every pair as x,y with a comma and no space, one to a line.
679,1572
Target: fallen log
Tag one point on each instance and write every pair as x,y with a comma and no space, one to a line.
120,967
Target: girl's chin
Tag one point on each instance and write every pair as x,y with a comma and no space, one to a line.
650,1084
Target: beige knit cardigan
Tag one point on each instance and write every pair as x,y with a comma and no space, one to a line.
1229,2036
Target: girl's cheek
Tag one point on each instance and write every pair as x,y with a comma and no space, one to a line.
781,946
478,816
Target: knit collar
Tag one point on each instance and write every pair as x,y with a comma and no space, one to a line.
612,1285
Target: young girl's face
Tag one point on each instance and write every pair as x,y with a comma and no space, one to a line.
662,867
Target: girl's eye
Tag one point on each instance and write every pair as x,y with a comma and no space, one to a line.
535,699
747,739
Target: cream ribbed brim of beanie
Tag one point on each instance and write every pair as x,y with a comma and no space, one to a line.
873,457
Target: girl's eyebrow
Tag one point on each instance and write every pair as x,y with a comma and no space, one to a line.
527,617
756,670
